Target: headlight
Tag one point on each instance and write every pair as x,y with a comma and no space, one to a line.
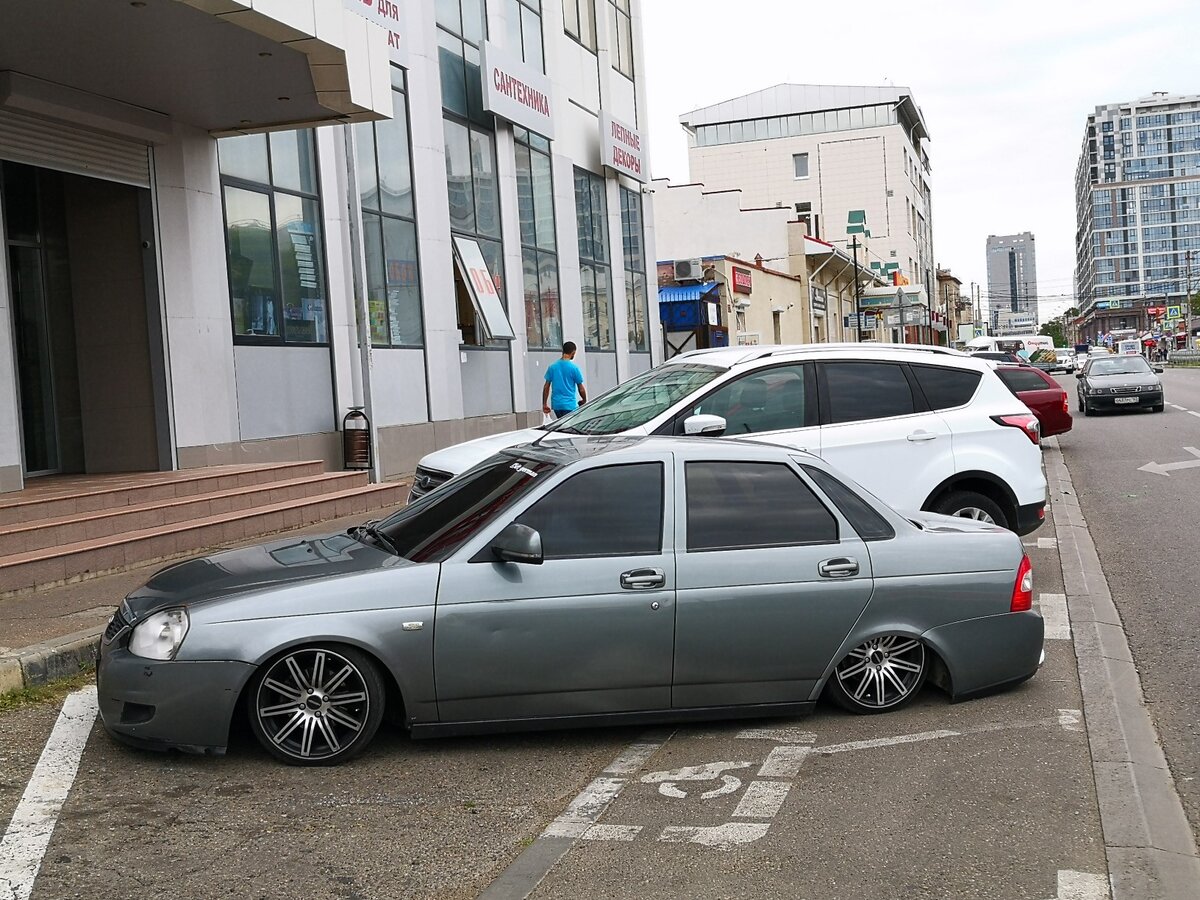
160,635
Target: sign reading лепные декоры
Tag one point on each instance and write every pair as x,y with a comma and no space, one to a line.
623,148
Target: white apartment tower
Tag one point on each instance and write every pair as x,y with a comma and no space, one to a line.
824,151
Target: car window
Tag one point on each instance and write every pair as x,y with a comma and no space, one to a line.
739,505
766,400
1022,380
610,511
869,524
866,390
944,387
1119,365
638,400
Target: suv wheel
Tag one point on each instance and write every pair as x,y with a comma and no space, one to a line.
971,505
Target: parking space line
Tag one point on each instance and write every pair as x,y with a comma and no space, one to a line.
1053,608
612,832
1081,886
762,799
28,835
586,808
784,761
1192,412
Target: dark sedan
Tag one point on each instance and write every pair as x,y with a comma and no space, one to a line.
1119,382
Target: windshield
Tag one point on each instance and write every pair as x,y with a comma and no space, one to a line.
637,401
1120,365
432,528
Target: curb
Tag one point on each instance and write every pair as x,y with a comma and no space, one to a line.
1147,837
49,660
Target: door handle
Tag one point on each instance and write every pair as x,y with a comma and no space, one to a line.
918,436
642,579
839,567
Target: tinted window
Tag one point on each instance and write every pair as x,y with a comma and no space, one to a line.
432,528
1119,365
735,505
946,388
638,400
866,390
870,525
613,511
767,400
1022,380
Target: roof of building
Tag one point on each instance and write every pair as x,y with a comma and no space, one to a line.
794,99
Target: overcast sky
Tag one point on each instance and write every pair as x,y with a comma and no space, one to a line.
1005,88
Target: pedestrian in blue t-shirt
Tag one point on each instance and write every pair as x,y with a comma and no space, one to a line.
562,379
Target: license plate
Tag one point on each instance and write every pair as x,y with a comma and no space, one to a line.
1125,399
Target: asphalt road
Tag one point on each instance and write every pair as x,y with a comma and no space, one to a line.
991,798
1147,534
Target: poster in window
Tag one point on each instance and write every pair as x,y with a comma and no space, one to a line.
482,288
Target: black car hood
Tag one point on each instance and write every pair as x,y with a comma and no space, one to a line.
246,569
1138,379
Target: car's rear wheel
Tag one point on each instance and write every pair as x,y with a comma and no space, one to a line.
317,706
880,674
972,505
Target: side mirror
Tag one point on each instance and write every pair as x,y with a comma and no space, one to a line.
1158,370
518,544
708,426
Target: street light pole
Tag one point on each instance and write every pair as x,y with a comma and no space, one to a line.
857,313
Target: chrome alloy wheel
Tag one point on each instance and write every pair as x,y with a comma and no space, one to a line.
883,671
974,512
312,704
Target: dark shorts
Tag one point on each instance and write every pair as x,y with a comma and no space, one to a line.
559,413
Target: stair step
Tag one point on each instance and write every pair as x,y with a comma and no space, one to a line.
75,496
99,556
72,529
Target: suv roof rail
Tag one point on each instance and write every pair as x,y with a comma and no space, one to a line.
852,345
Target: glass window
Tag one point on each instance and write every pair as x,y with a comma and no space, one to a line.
591,213
869,524
860,391
579,21
1021,380
793,125
775,127
637,401
760,129
523,31
723,133
742,505
800,164
535,208
610,511
768,400
636,298
946,388
621,44
273,238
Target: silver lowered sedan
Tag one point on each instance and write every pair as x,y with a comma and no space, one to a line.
585,582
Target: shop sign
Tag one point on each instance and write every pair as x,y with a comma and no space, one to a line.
385,13
819,299
623,148
741,281
515,91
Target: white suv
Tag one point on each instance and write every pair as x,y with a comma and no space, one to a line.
922,427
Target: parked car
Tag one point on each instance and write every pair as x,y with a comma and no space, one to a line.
1043,395
1119,382
1064,361
591,581
966,446
1004,356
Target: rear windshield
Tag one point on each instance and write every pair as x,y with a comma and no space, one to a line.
639,400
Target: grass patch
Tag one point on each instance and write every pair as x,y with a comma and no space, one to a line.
46,693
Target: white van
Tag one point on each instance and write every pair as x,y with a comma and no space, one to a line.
1129,348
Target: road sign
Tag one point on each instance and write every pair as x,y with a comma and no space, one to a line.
1173,312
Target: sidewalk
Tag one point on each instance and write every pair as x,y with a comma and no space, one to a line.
47,634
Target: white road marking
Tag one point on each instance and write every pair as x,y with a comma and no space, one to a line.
889,741
635,756
762,799
707,772
28,835
1178,407
1047,543
1053,608
1071,719
779,735
612,833
718,837
586,808
1192,412
784,761
1081,886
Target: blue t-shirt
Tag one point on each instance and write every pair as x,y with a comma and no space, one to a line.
564,377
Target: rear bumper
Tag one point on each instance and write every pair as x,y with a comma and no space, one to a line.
989,653
1030,517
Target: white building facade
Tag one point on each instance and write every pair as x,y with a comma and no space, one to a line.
822,152
281,211
1012,289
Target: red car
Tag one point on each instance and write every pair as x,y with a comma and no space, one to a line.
1043,395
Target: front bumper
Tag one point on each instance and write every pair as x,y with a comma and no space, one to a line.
1143,400
168,704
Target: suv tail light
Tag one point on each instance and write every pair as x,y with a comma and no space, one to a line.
1028,423
1022,595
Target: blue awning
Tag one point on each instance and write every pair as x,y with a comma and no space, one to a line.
682,292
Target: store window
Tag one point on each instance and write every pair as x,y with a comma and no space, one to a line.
273,238
539,256
636,298
591,218
622,37
579,21
523,28
389,227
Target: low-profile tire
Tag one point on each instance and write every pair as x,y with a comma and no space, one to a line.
316,706
972,505
880,674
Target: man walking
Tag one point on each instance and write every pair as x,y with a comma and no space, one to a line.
562,379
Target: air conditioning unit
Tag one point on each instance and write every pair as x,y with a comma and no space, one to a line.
689,270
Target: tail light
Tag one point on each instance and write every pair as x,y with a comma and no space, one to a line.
1022,596
1066,403
1027,423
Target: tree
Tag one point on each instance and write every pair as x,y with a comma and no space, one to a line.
1053,329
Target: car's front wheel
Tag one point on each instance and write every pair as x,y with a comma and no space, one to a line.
317,706
972,505
880,674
